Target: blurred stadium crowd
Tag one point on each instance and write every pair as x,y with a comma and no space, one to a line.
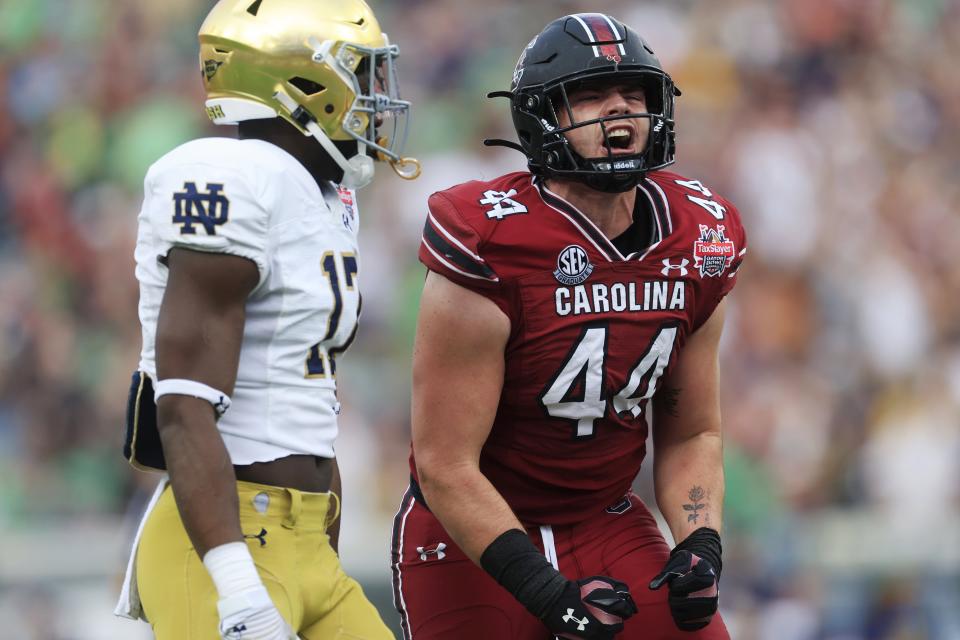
833,124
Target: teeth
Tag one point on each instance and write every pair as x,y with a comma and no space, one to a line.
619,133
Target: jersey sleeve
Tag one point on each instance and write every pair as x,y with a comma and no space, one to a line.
208,208
722,284
452,248
739,236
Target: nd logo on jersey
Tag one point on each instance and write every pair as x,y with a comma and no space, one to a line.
191,207
573,265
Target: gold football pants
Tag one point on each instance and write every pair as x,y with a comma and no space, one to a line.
285,530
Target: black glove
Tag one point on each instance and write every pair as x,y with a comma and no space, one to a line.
693,574
591,609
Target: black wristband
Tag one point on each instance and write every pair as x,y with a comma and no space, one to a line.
705,542
519,567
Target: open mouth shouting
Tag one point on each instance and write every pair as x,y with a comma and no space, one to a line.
622,139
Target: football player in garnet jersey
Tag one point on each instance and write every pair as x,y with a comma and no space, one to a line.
568,312
248,269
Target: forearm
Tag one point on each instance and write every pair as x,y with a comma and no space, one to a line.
201,474
688,478
475,523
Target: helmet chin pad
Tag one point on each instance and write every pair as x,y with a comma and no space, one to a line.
359,172
608,180
611,182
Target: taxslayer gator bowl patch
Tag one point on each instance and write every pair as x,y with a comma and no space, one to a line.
713,253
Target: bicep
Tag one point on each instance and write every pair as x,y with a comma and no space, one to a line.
458,366
687,403
200,325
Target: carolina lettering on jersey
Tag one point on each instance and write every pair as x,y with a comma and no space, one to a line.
593,332
620,297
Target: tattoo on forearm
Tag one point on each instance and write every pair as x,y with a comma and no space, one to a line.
669,400
696,495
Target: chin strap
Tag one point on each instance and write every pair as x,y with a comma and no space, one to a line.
357,171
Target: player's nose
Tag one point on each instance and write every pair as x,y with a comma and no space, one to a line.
616,103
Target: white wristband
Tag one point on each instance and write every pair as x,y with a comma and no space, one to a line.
182,387
231,567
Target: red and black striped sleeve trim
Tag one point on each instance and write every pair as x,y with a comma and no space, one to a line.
448,251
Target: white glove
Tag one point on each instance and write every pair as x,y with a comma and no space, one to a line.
251,615
246,610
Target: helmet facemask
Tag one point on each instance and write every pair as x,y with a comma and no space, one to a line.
378,119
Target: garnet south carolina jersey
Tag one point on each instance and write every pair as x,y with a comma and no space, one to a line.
592,331
252,199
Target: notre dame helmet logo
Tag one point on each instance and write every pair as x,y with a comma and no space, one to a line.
192,207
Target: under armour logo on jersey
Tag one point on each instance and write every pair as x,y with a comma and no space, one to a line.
667,267
236,631
503,203
191,207
581,623
426,552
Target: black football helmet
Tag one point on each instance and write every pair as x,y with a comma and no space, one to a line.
578,48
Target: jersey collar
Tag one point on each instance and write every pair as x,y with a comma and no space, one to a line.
646,188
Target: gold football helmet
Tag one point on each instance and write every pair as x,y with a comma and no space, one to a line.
322,65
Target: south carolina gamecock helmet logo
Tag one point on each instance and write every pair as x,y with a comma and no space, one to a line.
713,253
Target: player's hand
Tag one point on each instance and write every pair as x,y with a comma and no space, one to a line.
693,589
591,609
251,615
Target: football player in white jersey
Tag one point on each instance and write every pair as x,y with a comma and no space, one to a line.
248,268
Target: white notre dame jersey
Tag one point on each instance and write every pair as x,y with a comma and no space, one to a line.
252,199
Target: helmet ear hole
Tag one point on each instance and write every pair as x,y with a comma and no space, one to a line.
306,86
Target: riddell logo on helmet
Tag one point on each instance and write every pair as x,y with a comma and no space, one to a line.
713,253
